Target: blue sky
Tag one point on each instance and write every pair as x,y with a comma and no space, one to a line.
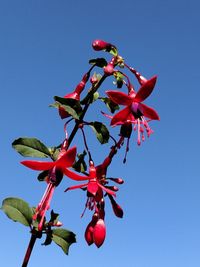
44,51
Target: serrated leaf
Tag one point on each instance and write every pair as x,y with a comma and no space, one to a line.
17,210
31,147
99,62
63,238
110,104
101,131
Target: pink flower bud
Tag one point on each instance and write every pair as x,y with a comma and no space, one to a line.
109,69
99,233
117,180
99,45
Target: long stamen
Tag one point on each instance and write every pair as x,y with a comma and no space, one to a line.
138,140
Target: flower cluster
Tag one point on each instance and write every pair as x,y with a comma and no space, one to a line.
133,116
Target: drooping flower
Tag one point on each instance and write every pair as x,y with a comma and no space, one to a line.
135,111
74,95
97,185
56,169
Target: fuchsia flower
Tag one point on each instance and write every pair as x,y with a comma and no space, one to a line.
74,95
96,185
135,111
56,171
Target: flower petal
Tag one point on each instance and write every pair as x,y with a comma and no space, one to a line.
38,165
74,176
149,112
145,90
121,116
119,97
92,187
108,191
75,187
67,159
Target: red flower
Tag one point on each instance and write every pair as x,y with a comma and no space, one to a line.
93,186
56,170
74,95
135,110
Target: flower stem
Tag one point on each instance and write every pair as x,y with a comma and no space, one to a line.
29,250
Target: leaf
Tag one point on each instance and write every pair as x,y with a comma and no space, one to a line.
72,106
80,165
17,210
110,104
99,62
119,79
112,50
63,238
43,176
48,239
31,147
101,131
54,217
68,109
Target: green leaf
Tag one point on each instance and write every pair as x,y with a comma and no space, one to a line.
71,106
99,62
119,79
48,239
80,165
17,210
43,176
31,147
112,50
110,104
63,238
54,217
101,131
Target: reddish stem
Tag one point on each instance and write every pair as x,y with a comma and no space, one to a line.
29,250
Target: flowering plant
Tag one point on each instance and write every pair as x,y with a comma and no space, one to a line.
65,161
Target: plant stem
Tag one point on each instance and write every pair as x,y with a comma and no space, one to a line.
29,250
90,94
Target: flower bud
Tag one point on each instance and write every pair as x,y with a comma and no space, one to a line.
99,233
99,45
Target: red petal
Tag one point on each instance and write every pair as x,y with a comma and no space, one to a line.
74,176
149,112
99,233
92,188
75,187
89,233
145,90
108,191
63,114
119,98
67,159
38,165
121,116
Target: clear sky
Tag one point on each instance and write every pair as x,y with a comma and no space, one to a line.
44,51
